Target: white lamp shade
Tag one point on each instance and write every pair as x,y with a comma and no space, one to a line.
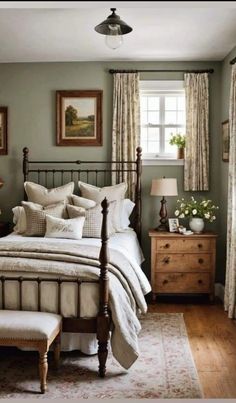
164,187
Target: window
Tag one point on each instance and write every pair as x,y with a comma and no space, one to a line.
162,105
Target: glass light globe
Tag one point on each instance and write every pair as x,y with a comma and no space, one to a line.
114,39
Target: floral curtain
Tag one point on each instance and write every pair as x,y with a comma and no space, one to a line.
196,168
230,284
126,125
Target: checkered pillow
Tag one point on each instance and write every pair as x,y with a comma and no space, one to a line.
93,219
36,216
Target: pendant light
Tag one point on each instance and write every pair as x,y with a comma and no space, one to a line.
114,29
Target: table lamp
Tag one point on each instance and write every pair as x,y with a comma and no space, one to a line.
164,187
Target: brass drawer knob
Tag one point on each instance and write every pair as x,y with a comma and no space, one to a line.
200,261
165,282
200,281
200,245
167,245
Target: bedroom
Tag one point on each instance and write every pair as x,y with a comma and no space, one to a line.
43,55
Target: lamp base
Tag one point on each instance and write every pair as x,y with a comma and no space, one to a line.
162,227
163,217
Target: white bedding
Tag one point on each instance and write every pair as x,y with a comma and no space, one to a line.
127,244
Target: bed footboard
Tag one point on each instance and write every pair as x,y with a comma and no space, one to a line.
99,324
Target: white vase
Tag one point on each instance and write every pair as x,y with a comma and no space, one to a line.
196,224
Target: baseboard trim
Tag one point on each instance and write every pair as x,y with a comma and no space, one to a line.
219,291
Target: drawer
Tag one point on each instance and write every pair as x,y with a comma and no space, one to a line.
179,262
183,245
182,283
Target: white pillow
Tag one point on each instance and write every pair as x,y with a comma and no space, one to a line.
41,195
82,202
112,193
127,207
19,219
60,228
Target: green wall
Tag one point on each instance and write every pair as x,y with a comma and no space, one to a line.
28,89
224,166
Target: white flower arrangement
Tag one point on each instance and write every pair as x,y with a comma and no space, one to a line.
193,208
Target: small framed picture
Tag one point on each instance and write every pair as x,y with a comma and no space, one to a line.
225,141
3,130
173,224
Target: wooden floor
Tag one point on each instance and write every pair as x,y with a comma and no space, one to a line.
212,339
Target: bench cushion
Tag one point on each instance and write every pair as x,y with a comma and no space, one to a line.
28,325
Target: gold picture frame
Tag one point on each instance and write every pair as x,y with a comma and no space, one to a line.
225,140
79,118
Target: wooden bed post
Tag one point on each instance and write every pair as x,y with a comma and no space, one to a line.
25,167
103,319
138,218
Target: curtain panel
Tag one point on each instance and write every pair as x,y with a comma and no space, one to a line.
125,125
230,283
196,168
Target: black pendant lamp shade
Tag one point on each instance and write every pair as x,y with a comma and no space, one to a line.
112,20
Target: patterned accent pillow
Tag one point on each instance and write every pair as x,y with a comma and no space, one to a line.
93,219
60,228
36,217
41,195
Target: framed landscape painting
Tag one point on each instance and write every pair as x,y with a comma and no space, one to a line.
3,130
79,118
225,141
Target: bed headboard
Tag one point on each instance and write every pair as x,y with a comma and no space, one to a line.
98,173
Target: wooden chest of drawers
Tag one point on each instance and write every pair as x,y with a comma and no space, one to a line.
182,264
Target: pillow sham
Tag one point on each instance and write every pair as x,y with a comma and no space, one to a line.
60,228
93,219
112,193
116,192
45,197
36,216
19,219
82,202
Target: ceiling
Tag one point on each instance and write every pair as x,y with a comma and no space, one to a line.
162,31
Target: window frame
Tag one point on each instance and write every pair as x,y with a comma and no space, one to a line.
161,89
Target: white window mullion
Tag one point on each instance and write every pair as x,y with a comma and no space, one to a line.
162,120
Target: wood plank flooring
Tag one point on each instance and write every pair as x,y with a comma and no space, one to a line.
212,338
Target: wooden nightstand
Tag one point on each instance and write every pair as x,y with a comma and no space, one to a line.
182,264
4,229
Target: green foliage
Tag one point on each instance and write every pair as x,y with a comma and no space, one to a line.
195,208
71,115
178,140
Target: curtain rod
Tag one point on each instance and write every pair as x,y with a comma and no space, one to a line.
111,71
233,61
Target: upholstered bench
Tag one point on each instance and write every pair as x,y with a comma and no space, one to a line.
32,329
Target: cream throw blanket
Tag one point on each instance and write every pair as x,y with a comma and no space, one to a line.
127,286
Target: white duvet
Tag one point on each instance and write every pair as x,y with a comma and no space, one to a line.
125,243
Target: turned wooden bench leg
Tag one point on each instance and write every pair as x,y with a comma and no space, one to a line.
57,350
43,370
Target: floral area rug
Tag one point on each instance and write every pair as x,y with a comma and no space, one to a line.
165,369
